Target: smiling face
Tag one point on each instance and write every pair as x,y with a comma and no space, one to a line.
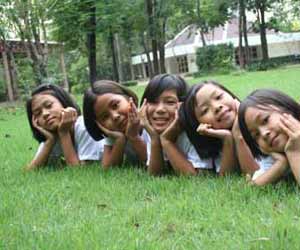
46,109
112,111
264,128
215,106
161,113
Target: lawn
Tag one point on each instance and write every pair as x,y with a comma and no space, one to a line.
86,208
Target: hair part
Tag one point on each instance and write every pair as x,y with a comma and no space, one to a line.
265,99
59,93
90,96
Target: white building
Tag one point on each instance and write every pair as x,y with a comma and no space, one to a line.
180,52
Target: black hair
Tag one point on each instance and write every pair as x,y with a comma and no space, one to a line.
264,99
159,83
89,99
59,93
206,146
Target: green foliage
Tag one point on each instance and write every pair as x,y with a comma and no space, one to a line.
212,57
273,63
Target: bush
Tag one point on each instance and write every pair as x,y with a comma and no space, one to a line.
213,57
79,88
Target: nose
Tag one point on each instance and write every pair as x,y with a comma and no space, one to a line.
265,133
115,115
45,112
217,107
160,107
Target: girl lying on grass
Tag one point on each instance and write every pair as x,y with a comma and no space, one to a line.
55,123
110,111
167,142
209,116
270,123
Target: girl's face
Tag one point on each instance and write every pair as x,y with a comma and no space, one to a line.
215,106
264,128
162,112
112,111
46,109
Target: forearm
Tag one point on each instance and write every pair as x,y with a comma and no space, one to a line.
228,161
42,157
139,147
275,172
69,151
246,160
294,162
156,157
177,159
113,155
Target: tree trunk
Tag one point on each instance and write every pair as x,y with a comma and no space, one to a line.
7,76
91,44
63,70
13,74
245,33
118,57
262,29
162,47
114,59
152,32
241,51
146,49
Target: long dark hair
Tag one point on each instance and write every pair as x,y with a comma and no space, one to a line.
50,89
206,146
264,99
159,83
89,99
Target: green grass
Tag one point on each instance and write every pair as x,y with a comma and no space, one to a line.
86,208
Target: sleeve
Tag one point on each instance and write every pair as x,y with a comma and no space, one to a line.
40,148
264,164
146,138
87,148
191,154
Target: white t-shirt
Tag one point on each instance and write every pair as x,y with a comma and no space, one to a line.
129,152
186,147
264,164
86,147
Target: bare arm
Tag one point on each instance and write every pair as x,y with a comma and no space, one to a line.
275,172
132,133
177,159
42,157
156,161
113,155
246,160
68,118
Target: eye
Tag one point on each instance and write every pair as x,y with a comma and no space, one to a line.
203,111
218,97
171,102
265,120
115,105
48,104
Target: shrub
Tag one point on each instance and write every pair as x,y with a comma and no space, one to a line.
214,57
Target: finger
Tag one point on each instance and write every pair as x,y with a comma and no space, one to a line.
285,127
144,104
291,122
101,127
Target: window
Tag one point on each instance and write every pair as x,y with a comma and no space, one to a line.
182,64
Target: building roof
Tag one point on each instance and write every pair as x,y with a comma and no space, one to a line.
188,40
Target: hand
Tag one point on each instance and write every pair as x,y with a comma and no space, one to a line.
110,133
48,135
173,130
68,118
145,121
206,129
291,127
133,124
